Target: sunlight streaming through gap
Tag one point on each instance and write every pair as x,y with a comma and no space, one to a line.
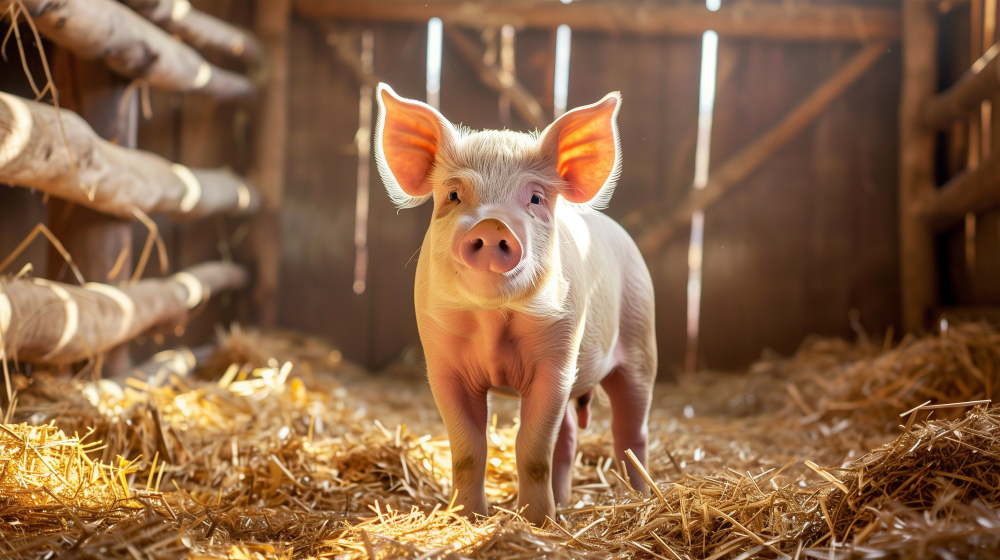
561,83
706,105
434,37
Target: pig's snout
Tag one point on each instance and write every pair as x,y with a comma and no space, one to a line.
490,246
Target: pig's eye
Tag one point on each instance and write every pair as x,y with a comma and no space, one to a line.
453,195
535,199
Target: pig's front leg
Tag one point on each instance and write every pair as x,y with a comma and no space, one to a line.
464,412
543,407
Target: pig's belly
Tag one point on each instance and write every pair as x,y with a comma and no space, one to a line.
593,365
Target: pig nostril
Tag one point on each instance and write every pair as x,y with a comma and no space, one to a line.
503,246
477,244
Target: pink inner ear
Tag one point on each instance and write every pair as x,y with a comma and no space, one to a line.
587,150
410,138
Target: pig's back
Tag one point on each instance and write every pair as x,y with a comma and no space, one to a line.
611,287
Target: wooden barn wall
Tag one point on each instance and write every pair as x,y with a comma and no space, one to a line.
657,77
812,234
809,237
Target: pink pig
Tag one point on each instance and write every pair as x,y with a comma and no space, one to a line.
523,289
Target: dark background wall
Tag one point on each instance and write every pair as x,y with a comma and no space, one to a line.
809,237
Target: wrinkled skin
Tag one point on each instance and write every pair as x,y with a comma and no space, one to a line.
523,289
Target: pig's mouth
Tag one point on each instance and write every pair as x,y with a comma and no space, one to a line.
488,289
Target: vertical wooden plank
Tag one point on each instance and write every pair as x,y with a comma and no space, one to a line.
916,163
100,245
271,27
317,213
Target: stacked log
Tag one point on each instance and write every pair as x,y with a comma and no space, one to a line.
200,30
131,46
85,169
49,322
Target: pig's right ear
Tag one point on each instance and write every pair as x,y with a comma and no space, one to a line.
408,138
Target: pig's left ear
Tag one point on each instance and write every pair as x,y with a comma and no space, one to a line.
409,137
588,153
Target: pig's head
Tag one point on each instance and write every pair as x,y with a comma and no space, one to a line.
497,194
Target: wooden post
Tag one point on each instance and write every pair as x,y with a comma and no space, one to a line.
100,245
272,22
918,282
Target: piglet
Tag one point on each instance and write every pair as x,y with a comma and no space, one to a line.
523,289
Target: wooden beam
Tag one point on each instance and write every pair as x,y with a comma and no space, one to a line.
272,24
53,323
975,190
980,83
916,164
493,77
131,46
787,22
204,32
104,176
747,160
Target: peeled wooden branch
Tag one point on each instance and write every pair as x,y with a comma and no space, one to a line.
980,83
131,46
107,178
498,81
975,190
51,323
200,30
747,160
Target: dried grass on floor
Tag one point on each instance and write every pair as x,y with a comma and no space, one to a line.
800,457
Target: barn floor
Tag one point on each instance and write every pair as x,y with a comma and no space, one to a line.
300,455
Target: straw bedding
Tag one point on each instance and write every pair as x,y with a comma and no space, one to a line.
279,449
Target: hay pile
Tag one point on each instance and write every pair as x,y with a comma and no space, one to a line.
289,453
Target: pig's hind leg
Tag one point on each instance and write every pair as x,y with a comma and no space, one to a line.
562,459
630,399
630,384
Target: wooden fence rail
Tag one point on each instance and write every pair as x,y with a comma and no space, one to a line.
973,190
130,45
106,177
48,322
980,83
